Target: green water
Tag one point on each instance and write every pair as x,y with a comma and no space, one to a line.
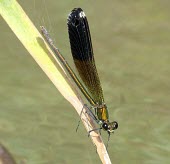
131,41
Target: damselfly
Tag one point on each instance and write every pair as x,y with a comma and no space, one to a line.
82,52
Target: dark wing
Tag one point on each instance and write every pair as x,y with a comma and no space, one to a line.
82,52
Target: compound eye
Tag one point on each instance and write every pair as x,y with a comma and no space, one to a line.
115,125
105,126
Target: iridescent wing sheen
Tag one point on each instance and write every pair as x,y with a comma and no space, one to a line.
82,52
